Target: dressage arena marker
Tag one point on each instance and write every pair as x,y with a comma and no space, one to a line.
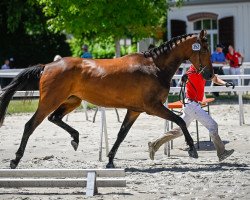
21,178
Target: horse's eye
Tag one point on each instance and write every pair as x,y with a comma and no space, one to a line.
204,51
204,39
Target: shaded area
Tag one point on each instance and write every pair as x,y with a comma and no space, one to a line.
185,167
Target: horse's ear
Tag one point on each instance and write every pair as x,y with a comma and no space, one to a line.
203,34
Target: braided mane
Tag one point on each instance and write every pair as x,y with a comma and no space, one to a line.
166,46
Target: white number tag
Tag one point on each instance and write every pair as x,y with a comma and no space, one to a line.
196,47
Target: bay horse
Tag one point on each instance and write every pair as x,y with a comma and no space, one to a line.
139,82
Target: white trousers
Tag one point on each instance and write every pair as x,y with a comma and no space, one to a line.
234,71
193,111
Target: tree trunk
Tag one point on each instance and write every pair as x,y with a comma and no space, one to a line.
117,48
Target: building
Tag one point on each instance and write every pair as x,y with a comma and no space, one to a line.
226,21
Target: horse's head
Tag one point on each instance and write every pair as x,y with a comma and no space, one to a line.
200,56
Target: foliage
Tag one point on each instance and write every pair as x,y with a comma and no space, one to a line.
99,48
25,36
104,18
101,22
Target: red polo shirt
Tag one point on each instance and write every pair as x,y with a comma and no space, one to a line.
234,59
195,91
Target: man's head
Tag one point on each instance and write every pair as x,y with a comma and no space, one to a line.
6,62
85,47
219,48
230,49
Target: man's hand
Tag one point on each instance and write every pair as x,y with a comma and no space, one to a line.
228,84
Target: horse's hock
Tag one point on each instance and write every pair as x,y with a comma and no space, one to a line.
89,178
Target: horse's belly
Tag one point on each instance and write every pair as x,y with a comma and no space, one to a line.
112,96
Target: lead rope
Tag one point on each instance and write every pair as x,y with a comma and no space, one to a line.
182,94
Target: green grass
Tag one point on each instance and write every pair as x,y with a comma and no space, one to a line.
30,106
21,106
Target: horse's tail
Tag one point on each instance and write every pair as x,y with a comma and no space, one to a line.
28,79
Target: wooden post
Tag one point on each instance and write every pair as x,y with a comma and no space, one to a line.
91,188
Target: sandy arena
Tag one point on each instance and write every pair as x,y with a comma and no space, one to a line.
177,177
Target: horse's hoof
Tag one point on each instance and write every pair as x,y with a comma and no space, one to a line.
74,145
13,164
110,165
193,153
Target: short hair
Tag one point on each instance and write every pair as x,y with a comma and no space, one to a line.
57,57
220,46
85,47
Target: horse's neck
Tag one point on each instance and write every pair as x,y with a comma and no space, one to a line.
169,63
170,66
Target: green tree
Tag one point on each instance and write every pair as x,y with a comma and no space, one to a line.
24,34
106,18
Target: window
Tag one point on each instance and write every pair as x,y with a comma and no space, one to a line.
211,26
208,24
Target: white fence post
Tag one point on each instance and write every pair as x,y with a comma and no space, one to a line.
166,128
103,130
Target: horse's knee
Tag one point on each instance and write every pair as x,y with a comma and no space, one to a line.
54,118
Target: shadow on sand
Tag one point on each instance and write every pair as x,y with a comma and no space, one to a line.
207,145
185,167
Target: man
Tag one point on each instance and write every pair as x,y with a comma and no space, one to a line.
192,110
5,81
86,54
232,59
6,64
218,57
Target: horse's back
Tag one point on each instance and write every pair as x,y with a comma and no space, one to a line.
118,82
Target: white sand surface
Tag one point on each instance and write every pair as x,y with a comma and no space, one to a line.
175,177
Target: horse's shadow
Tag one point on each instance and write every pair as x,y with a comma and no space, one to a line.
201,168
207,145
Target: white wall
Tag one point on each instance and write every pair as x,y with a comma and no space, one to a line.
240,11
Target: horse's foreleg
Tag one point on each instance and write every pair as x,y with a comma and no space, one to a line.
161,111
56,118
130,118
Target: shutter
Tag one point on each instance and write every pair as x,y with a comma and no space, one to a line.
226,31
178,27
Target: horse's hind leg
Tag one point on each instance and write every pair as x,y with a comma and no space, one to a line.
129,120
48,103
56,117
29,128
